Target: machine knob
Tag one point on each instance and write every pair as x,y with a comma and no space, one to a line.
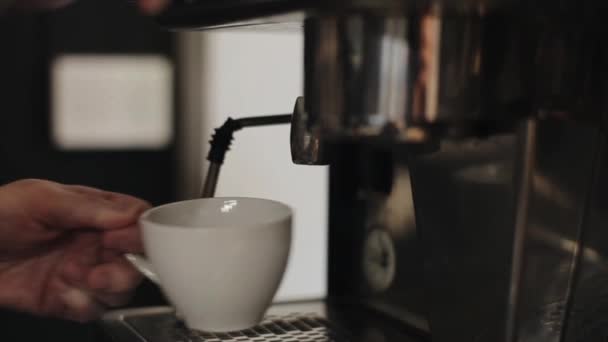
379,260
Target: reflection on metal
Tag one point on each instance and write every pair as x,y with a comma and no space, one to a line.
506,244
425,102
544,235
490,173
380,74
396,213
374,75
551,192
523,177
307,148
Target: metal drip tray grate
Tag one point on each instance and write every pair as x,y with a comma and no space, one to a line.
289,328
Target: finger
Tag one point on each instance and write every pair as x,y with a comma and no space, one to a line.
109,255
115,277
113,300
75,211
83,254
75,273
127,202
66,208
119,199
127,240
81,189
115,200
80,306
153,6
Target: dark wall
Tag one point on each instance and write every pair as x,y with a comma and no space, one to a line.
29,41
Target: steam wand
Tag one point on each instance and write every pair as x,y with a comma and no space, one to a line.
221,140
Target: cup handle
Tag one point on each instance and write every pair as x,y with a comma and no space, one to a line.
143,266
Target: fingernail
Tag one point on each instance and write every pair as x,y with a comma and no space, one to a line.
112,218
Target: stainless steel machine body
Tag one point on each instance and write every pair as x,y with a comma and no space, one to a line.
468,150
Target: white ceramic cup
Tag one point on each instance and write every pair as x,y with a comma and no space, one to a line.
219,261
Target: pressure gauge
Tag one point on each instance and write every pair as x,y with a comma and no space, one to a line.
379,260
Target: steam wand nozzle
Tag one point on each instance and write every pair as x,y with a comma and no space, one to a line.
222,139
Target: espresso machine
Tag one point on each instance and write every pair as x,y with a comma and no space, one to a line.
468,169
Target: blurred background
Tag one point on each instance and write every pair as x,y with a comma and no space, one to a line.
96,94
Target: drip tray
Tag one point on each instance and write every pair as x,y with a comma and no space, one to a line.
288,322
288,328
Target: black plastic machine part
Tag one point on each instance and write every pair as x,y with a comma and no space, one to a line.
222,138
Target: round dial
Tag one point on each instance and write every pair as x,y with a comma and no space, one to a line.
379,260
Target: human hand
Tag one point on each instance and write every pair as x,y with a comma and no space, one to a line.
150,7
61,249
153,6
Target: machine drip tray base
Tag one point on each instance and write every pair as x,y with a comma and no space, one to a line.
292,327
294,322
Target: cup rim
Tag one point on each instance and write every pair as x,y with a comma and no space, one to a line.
144,217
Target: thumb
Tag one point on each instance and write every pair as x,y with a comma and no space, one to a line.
69,209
